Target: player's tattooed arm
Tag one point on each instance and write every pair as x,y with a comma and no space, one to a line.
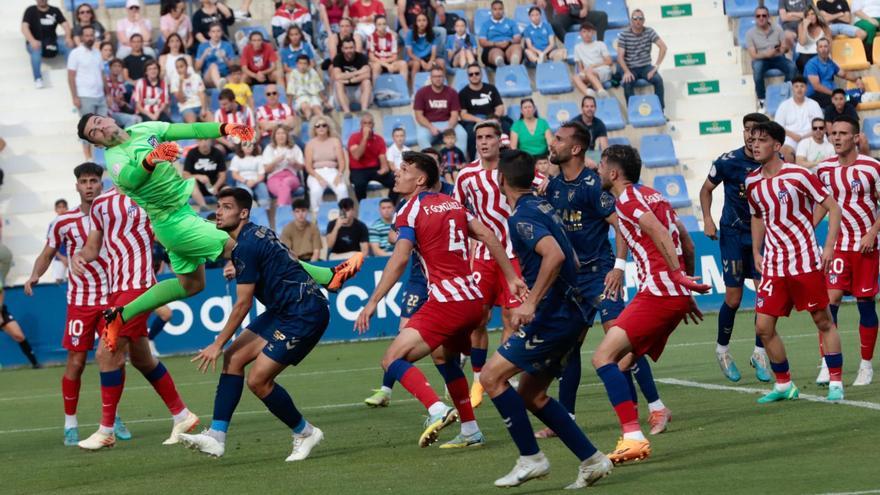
207,357
394,269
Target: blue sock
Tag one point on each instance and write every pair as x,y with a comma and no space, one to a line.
867,314
643,375
111,378
570,381
726,318
834,360
156,327
628,374
779,367
281,405
478,358
388,380
450,371
834,309
158,372
397,368
226,400
513,412
557,419
758,342
615,383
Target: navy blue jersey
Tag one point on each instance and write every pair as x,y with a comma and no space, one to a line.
281,282
732,168
583,207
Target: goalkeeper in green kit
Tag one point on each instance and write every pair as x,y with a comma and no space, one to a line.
140,162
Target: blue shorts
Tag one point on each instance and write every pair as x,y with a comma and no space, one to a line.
290,339
545,344
591,285
414,296
736,257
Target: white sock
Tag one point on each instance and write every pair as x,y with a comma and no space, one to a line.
70,421
220,436
721,349
182,415
534,457
468,428
105,429
386,390
824,364
657,405
514,382
634,435
760,350
781,386
866,364
835,384
436,408
476,377
499,61
571,416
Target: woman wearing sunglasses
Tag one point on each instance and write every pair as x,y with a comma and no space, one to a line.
325,163
85,16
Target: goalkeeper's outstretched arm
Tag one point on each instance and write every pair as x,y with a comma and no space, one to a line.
207,130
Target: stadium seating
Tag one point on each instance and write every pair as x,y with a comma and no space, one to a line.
283,216
259,91
740,8
214,97
849,54
875,52
673,188
349,126
421,80
514,112
571,40
407,122
247,30
389,84
553,78
560,112
657,151
618,15
611,42
745,24
776,94
871,86
259,216
608,110
644,111
368,210
871,128
521,15
461,78
623,140
328,210
480,17
690,223
513,81
98,156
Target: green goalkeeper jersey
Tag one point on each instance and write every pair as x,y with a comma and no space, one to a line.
163,191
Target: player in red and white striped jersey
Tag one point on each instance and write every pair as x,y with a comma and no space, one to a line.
664,254
151,94
477,188
382,50
781,198
275,112
121,228
86,292
854,182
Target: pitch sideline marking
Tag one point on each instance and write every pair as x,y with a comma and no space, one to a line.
864,492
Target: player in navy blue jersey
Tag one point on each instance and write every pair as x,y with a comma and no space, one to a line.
547,327
296,317
587,212
735,239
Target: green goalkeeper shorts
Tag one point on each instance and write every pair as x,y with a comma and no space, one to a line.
189,239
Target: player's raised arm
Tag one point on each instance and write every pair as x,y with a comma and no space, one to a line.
207,130
478,231
394,268
244,299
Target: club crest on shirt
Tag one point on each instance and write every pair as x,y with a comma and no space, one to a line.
832,278
783,196
153,141
525,230
571,194
856,185
606,200
760,302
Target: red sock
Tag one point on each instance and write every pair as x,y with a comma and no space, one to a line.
782,376
112,383
868,338
628,415
414,381
70,393
461,398
164,385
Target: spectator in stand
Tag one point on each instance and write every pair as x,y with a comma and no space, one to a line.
290,13
85,16
766,45
436,109
791,16
293,47
796,115
810,30
363,13
119,106
839,106
530,133
539,41
408,10
275,113
452,159
206,164
243,94
306,89
331,12
563,14
634,56
151,95
171,53
39,26
816,148
85,80
301,236
212,12
820,72
334,43
230,112
867,18
461,47
500,39
594,125
189,90
107,56
60,261
593,63
325,162
422,47
394,154
259,61
283,160
249,172
479,101
352,77
175,21
366,158
136,61
839,18
379,243
133,23
382,49
347,235
214,57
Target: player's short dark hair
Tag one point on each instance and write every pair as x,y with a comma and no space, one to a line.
227,94
115,61
88,168
534,8
303,56
518,168
346,204
772,129
496,1
242,197
82,29
588,26
493,124
347,39
798,79
588,97
626,158
234,68
755,117
60,201
838,91
81,126
581,133
426,164
386,200
300,204
820,119
256,33
401,129
136,35
449,132
382,16
854,123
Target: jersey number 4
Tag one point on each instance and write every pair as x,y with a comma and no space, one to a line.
457,240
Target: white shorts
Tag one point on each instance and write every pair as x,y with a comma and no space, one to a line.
306,100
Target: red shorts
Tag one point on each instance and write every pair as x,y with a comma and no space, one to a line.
448,324
83,325
490,279
136,327
855,273
649,320
777,295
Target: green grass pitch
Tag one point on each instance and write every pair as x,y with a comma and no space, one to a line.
720,440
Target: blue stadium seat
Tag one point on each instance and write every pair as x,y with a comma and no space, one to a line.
690,223
461,15
368,210
513,81
673,188
745,23
283,216
99,156
349,126
571,40
514,112
608,110
259,216
623,140
480,17
328,210
214,97
106,183
657,151
521,15
618,15
259,91
407,122
304,132
645,111
553,78
247,30
421,80
392,83
174,109
776,94
461,78
740,8
560,112
611,42
871,128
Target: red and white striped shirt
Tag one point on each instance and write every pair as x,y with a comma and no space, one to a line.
477,188
652,267
152,98
785,203
277,114
383,46
242,115
128,238
72,229
855,189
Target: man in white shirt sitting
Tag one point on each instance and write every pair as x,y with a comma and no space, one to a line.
815,149
796,115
